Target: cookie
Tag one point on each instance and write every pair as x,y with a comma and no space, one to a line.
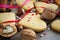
7,16
33,1
28,34
7,24
57,2
33,21
48,14
26,4
53,6
55,25
8,30
40,6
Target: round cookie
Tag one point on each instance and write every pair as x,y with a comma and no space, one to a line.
28,34
55,25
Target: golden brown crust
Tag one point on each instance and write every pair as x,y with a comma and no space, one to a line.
48,14
28,34
55,25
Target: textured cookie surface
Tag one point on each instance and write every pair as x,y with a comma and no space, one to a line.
33,21
56,25
4,17
7,16
53,6
40,6
27,4
33,0
28,34
20,2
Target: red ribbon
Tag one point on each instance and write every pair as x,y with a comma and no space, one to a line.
27,12
9,21
11,6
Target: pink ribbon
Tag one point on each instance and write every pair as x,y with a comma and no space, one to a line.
8,6
11,6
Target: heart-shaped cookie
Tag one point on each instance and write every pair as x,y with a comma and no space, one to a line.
33,21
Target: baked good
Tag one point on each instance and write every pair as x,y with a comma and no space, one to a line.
40,6
33,1
28,34
7,16
48,14
26,4
57,2
33,21
8,30
5,2
53,6
55,25
7,25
